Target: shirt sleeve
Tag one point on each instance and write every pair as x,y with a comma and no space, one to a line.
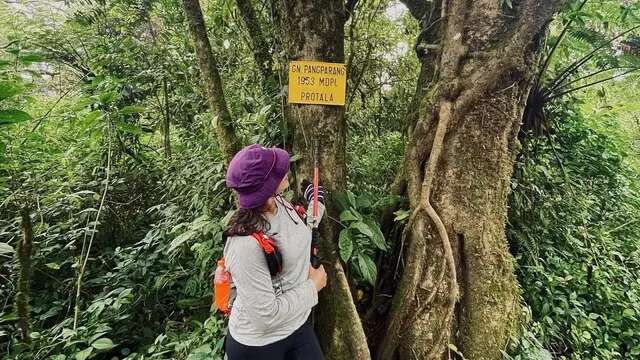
250,274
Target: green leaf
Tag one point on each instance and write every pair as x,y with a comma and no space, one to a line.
545,354
102,344
401,215
8,317
96,336
367,269
84,354
6,249
206,348
345,200
181,239
378,237
364,201
108,97
130,128
347,215
295,158
199,356
352,199
9,89
342,201
225,220
92,116
68,333
362,228
53,266
30,58
82,104
628,313
13,116
132,109
345,244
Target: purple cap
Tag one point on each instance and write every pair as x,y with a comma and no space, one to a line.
255,173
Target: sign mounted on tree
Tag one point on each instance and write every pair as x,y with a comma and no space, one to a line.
316,82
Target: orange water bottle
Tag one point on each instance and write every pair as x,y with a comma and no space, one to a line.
222,288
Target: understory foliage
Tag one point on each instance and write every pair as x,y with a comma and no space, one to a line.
127,227
573,227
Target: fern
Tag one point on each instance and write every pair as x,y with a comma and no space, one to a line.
587,36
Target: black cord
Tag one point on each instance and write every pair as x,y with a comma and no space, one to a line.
287,207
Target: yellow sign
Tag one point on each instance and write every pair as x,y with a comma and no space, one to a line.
315,82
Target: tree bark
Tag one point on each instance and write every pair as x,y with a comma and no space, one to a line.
229,143
23,294
458,285
314,30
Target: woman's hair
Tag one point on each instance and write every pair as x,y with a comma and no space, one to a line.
247,221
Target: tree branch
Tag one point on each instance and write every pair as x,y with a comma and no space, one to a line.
349,8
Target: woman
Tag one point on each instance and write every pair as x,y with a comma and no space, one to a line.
270,317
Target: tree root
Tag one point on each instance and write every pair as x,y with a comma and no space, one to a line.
391,343
446,114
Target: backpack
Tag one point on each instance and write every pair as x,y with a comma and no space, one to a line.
221,279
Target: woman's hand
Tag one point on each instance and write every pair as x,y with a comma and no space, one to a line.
318,276
307,191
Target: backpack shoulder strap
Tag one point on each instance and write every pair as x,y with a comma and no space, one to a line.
271,253
266,243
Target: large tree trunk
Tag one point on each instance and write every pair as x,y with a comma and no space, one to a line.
458,285
314,30
229,143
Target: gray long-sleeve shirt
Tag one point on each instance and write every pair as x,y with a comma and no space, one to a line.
269,309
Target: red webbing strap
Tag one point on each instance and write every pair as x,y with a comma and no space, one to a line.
265,242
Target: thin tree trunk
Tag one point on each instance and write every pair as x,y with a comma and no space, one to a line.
166,127
23,294
458,285
261,53
314,30
229,143
270,84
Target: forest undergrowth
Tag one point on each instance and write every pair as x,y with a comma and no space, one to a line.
126,227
